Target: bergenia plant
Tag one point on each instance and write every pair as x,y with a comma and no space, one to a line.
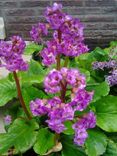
67,42
57,99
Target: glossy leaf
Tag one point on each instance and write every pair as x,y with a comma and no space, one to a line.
106,112
96,143
31,48
7,91
35,73
111,149
21,135
45,141
69,148
69,130
31,93
100,90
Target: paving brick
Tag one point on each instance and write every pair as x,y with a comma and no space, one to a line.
8,4
100,3
101,26
25,19
19,27
19,12
71,2
34,3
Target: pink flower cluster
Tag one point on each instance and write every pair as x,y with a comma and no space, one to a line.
57,110
80,127
67,36
11,54
71,77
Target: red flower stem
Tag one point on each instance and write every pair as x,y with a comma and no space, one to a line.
20,96
58,56
66,61
58,62
63,91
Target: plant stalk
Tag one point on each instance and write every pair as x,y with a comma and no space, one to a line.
66,61
58,56
58,62
20,96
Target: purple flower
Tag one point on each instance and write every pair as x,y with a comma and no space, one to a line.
7,119
76,80
49,53
18,44
80,136
89,120
68,112
48,57
81,100
73,78
80,127
38,31
101,65
52,81
72,27
58,116
111,64
38,107
56,121
55,16
11,54
16,63
112,79
54,102
5,49
56,125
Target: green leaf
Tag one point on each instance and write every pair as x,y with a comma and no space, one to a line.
86,73
113,43
69,148
100,90
98,51
106,112
85,61
21,134
69,130
35,73
111,149
31,93
7,91
96,143
31,48
45,141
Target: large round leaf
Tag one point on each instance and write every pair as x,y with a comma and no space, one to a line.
69,148
31,93
31,48
35,73
100,90
106,112
7,91
45,141
96,143
111,149
21,135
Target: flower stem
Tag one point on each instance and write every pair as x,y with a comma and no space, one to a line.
66,61
58,56
58,62
63,91
57,136
20,95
